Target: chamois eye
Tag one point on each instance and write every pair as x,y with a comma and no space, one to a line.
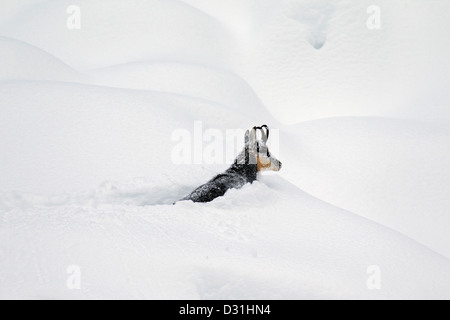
257,147
268,153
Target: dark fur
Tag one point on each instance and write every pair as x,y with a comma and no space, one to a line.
235,177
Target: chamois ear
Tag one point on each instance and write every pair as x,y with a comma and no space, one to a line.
252,137
265,133
247,138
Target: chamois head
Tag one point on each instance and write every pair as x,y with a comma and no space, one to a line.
257,152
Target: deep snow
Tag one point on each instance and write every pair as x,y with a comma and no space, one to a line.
88,179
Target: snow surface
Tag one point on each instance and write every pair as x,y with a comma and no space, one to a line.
87,177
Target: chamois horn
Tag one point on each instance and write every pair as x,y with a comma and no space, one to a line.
265,134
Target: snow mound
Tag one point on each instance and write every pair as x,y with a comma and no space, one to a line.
315,59
74,137
218,86
19,60
122,32
227,249
391,171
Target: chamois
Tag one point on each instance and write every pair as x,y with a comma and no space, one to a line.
254,158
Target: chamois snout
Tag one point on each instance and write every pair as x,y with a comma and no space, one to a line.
265,160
